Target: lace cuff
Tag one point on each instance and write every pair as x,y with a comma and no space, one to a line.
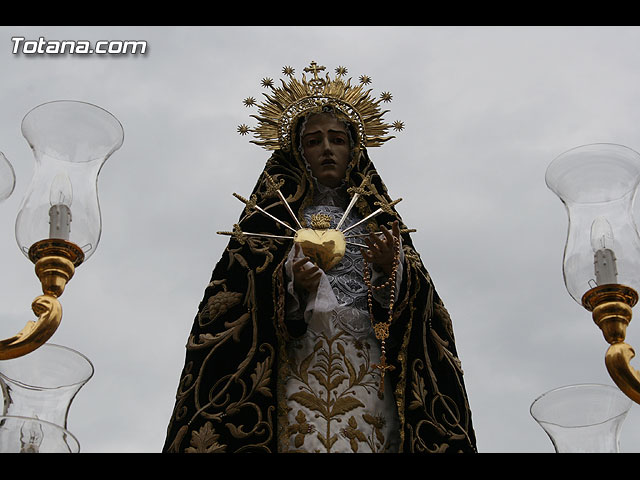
313,306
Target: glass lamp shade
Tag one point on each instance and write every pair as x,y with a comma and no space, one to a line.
582,418
31,435
7,178
597,184
37,391
44,383
70,140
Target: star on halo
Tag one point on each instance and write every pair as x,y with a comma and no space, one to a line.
398,125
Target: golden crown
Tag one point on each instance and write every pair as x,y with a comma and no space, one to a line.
279,112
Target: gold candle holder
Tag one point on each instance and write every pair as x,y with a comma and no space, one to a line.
59,224
611,306
597,184
55,263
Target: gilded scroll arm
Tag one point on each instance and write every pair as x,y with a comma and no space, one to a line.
623,374
34,334
55,261
611,307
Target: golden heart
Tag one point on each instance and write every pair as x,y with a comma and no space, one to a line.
324,247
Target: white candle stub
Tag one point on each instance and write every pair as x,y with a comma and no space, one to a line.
604,259
605,266
59,221
60,198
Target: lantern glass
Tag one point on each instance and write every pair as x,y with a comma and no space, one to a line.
70,141
582,418
44,383
7,178
597,184
32,435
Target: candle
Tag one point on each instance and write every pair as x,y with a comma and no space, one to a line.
604,259
59,221
60,197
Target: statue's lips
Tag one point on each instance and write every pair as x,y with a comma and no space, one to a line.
324,247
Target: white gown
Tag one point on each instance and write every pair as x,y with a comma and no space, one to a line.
330,385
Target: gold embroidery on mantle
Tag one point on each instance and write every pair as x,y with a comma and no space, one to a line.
205,440
235,392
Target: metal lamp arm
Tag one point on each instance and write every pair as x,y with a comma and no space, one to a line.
34,334
55,262
611,307
623,374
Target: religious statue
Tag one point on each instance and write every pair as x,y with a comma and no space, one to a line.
321,329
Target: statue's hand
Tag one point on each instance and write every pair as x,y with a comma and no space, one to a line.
305,277
381,250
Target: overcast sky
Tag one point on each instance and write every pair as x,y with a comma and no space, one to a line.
486,110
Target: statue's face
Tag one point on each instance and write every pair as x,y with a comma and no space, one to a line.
325,146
